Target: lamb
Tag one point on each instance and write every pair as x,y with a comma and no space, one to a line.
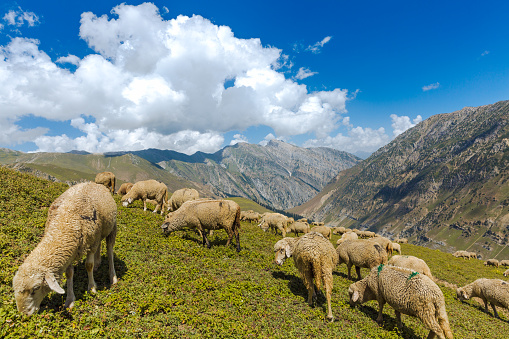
492,262
360,253
180,196
107,179
504,262
147,189
125,188
411,262
347,236
77,222
275,221
384,242
299,227
315,258
204,215
492,291
396,247
406,291
323,230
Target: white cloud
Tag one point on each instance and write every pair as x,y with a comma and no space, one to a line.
161,81
238,138
402,123
485,53
19,17
304,73
430,87
317,47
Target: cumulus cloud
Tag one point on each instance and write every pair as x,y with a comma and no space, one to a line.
402,123
317,47
19,18
304,73
176,84
430,87
238,138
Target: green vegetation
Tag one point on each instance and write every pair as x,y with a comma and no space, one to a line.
173,287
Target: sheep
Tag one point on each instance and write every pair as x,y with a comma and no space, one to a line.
406,291
384,242
124,188
347,236
366,234
401,240
314,257
462,254
303,220
250,216
492,291
492,262
472,255
147,189
339,230
317,223
504,262
506,273
299,227
204,215
275,221
180,196
323,230
107,179
396,247
77,222
360,253
411,262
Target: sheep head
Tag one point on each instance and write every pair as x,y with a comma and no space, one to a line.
126,201
360,292
283,249
30,289
461,294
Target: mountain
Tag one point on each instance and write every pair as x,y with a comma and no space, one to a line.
278,175
444,184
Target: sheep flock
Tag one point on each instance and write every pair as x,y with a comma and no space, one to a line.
86,214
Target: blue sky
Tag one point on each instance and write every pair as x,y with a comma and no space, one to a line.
199,75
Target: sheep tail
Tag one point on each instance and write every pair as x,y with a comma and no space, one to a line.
318,274
443,321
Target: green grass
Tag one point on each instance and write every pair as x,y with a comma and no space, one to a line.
173,287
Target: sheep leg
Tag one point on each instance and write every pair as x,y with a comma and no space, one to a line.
494,310
349,270
310,286
157,207
69,301
380,318
328,281
97,258
398,320
110,242
358,270
435,329
237,239
89,265
205,240
144,204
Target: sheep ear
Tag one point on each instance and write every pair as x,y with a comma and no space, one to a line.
288,251
355,296
53,284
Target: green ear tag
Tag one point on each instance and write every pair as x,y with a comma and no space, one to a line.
412,275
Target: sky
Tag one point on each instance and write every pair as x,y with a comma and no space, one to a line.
191,76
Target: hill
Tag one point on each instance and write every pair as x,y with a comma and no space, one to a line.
173,287
244,170
442,184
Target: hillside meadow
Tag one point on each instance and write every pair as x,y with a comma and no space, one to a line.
173,287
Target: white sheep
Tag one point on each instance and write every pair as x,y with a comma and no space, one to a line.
360,253
396,247
462,254
506,273
401,240
315,258
411,262
492,262
323,230
181,196
504,262
406,291
386,243
77,222
274,221
147,189
203,215
125,188
492,291
250,216
347,236
298,227
107,179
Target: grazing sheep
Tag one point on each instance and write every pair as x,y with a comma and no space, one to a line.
181,196
366,234
492,291
77,222
504,262
250,216
204,215
360,253
315,258
472,255
406,291
492,262
347,236
339,230
274,221
396,247
384,242
299,227
125,188
401,240
147,189
323,230
411,262
303,220
506,273
462,254
107,179
317,223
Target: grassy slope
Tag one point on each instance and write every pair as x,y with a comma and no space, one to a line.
173,287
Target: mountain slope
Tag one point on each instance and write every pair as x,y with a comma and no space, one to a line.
443,183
